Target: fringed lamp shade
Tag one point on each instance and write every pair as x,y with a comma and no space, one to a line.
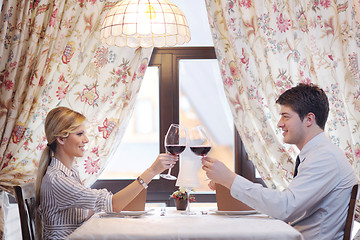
145,23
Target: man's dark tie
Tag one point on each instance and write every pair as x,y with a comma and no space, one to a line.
296,165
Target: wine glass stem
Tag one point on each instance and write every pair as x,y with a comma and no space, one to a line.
188,202
169,171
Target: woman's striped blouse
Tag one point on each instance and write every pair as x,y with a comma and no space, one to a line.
65,201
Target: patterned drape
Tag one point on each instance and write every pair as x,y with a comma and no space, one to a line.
266,47
50,55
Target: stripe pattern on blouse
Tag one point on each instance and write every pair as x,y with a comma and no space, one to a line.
65,201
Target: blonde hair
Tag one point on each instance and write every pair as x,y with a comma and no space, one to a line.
59,122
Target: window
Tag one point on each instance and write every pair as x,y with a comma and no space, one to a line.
168,63
171,101
202,101
142,133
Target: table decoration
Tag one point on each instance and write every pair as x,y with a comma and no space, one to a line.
180,198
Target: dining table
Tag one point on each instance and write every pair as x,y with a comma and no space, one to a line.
169,223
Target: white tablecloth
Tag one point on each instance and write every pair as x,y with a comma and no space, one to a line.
174,225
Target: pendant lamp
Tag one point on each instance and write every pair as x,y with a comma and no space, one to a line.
145,23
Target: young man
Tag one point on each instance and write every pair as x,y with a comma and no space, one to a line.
316,200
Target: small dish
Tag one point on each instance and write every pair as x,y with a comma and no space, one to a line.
124,213
247,212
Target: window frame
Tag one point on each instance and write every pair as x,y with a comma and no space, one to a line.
167,60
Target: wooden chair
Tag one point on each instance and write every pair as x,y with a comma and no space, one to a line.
350,214
25,197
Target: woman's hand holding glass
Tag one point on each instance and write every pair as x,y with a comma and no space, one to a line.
163,161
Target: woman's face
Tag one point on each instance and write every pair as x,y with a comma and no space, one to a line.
74,144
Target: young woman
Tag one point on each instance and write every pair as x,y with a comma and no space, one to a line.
63,203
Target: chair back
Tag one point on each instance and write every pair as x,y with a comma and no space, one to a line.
225,202
138,203
350,214
25,197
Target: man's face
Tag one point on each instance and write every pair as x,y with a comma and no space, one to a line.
291,125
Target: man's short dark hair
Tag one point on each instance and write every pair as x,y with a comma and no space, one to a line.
304,99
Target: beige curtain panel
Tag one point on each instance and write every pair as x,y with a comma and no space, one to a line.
51,55
264,48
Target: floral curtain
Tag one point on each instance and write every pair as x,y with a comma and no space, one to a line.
264,47
50,55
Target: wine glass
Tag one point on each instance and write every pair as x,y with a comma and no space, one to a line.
175,143
200,143
188,192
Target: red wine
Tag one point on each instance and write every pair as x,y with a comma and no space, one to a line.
200,150
175,149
